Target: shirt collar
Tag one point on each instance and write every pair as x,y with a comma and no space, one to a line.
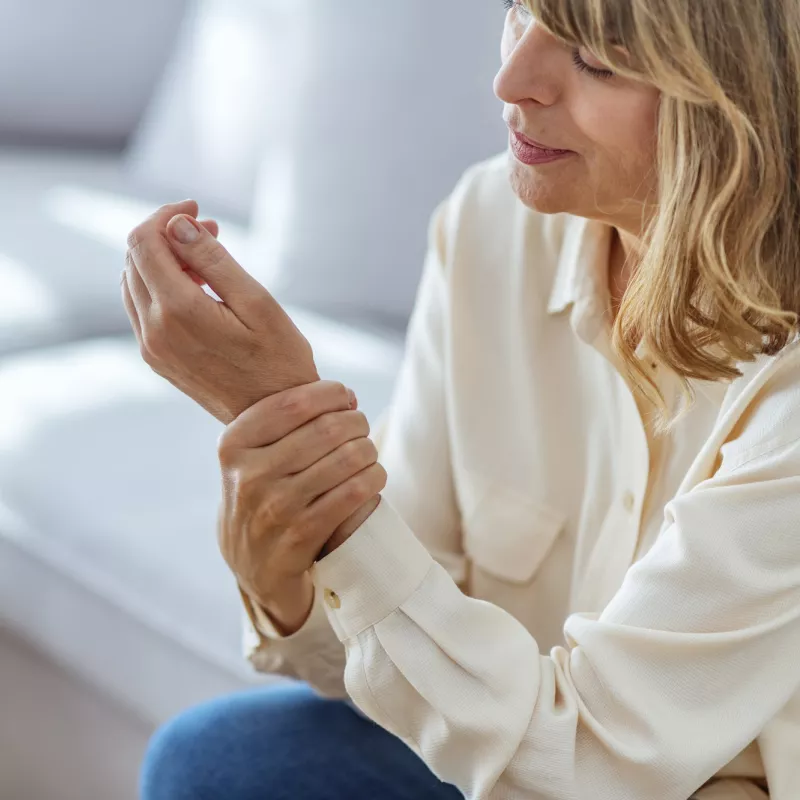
582,272
581,281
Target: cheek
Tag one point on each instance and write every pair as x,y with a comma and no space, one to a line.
620,133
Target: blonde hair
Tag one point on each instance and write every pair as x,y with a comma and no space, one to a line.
719,279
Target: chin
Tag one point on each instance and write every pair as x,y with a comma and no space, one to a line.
547,196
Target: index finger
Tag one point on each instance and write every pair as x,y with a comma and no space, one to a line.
274,417
151,253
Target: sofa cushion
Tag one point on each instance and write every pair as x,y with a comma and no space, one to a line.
109,482
64,219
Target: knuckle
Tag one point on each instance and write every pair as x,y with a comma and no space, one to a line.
171,308
281,461
145,354
328,427
295,404
380,476
214,254
339,391
351,456
152,342
370,450
363,421
254,306
226,449
161,325
355,490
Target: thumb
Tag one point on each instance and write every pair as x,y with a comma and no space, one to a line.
197,248
213,228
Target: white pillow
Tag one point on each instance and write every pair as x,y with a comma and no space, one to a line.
223,90
78,70
396,102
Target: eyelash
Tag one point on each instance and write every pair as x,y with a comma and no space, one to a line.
580,64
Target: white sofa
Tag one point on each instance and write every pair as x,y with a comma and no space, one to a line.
108,477
108,496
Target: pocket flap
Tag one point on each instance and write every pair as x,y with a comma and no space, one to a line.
509,535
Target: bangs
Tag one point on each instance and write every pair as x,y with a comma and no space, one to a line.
602,26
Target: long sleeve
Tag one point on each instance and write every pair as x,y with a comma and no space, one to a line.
694,655
413,446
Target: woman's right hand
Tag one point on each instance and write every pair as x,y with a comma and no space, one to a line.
295,466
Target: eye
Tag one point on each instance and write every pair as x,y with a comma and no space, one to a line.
579,58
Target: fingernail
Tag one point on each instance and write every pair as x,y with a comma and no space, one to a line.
184,231
352,396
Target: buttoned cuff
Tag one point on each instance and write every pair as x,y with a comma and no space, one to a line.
265,628
372,574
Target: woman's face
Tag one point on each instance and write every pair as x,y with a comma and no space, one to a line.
564,99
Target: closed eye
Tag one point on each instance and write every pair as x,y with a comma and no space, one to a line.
582,66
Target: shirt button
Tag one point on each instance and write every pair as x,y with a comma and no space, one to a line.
332,599
628,501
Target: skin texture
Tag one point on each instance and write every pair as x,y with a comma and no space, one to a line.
299,472
225,356
610,124
287,464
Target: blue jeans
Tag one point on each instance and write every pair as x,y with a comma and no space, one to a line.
283,743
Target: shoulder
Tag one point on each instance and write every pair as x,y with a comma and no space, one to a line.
765,401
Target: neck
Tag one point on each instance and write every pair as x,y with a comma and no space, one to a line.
623,260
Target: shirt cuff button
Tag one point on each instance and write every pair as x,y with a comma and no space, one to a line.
332,599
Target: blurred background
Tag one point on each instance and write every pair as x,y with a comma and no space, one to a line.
321,134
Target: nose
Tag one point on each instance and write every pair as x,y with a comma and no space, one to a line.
528,72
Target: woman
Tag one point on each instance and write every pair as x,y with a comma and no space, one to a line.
596,430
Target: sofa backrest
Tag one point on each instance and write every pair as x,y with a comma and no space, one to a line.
82,71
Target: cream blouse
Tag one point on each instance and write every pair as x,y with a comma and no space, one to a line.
549,601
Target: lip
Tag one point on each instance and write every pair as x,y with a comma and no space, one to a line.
532,152
539,145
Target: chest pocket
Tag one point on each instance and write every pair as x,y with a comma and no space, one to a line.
509,535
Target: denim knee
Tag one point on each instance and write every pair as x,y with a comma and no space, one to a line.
232,748
172,766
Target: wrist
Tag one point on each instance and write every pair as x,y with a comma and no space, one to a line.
289,607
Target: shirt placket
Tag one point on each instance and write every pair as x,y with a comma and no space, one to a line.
616,545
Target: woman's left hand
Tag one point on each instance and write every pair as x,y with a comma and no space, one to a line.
224,355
